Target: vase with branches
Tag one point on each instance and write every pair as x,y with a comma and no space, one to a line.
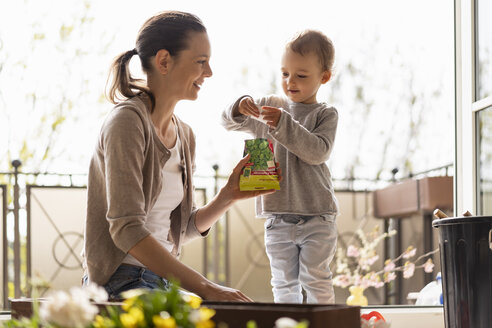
354,265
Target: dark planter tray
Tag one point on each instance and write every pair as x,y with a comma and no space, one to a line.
265,314
236,315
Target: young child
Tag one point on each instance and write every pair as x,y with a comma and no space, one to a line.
300,232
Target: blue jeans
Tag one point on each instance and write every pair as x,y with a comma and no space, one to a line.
300,249
128,277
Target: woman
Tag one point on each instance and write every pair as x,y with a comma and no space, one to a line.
140,191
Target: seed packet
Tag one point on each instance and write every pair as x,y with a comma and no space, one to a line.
260,173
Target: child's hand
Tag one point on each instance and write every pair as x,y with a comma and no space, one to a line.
271,115
247,107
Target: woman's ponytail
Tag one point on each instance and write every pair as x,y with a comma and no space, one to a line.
121,84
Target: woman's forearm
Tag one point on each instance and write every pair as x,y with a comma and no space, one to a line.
155,257
210,213
227,196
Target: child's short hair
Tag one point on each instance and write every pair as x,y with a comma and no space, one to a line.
315,41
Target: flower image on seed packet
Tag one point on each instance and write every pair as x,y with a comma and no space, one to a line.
260,173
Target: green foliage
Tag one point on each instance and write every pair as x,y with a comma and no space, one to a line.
22,323
36,103
160,308
261,154
156,308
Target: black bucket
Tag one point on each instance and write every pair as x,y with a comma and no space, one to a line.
466,265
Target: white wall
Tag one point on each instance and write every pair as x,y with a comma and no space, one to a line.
57,225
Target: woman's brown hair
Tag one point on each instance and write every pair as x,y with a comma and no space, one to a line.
167,30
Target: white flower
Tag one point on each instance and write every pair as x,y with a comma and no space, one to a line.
365,282
379,284
376,280
72,309
389,266
285,322
341,267
354,264
164,314
352,251
389,276
371,280
408,270
341,280
95,293
357,280
392,233
194,316
410,251
370,261
428,266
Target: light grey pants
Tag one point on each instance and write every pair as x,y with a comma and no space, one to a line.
300,249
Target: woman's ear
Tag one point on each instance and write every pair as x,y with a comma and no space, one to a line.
162,61
325,77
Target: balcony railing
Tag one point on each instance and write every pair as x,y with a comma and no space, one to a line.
38,233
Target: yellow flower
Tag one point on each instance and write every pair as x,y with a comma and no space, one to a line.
205,324
201,316
193,301
101,322
134,318
206,313
128,321
128,303
134,293
161,322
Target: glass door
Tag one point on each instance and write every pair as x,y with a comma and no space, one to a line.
484,161
482,105
473,53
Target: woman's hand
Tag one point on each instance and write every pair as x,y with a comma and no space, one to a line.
248,107
231,189
217,292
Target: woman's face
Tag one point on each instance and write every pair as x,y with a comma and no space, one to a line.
191,66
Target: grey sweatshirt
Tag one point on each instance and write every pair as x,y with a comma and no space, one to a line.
302,142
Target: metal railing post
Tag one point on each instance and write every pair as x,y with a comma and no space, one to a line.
217,229
17,268
5,246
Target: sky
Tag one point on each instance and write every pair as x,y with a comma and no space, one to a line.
247,41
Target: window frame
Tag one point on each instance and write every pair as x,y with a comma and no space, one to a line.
465,155
477,105
467,108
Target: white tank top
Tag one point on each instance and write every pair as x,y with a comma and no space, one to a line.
158,221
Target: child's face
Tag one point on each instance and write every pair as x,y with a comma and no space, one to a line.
302,76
